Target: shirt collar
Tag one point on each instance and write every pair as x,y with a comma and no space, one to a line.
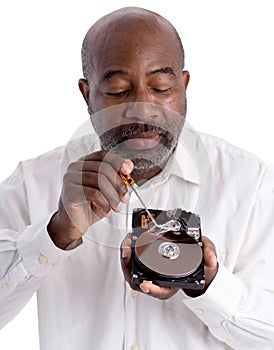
190,160
183,165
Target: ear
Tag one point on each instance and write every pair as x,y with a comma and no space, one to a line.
186,77
84,88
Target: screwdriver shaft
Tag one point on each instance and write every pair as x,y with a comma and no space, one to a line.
143,204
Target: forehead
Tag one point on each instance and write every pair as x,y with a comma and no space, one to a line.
136,42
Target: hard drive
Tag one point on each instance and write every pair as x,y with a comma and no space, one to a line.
171,256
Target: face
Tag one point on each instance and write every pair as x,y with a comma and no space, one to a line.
136,95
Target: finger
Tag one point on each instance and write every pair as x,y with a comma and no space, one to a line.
103,154
111,175
126,249
210,255
126,167
212,261
101,183
157,291
109,164
94,197
101,193
210,258
126,252
111,158
75,194
100,213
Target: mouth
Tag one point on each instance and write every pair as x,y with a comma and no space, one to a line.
134,137
144,140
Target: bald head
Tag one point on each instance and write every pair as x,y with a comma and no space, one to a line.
126,22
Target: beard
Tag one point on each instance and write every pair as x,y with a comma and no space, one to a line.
118,139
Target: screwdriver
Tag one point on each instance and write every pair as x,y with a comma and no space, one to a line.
129,181
172,224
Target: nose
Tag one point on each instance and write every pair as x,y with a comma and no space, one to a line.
142,111
140,106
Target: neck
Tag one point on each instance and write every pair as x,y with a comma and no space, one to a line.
141,176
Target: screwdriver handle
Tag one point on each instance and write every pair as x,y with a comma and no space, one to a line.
129,181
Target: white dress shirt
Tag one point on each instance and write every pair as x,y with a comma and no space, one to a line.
84,302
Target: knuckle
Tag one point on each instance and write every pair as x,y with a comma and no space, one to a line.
86,177
102,181
67,177
120,185
73,166
95,194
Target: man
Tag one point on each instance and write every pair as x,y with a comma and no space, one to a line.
63,240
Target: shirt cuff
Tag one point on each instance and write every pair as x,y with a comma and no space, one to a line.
220,301
39,255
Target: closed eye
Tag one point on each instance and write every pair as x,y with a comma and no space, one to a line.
162,91
117,94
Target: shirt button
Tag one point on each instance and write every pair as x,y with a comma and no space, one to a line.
134,293
199,311
42,259
5,286
134,347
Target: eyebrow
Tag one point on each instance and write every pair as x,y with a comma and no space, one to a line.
111,73
165,70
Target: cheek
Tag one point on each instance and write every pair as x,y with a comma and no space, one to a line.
97,101
177,104
180,102
106,118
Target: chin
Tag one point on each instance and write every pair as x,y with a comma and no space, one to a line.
147,161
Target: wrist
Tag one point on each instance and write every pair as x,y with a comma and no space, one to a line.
62,235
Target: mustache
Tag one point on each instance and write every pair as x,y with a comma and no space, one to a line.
121,133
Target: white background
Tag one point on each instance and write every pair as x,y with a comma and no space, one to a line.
229,53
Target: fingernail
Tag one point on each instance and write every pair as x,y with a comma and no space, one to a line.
126,168
214,260
126,197
108,214
124,253
118,208
144,289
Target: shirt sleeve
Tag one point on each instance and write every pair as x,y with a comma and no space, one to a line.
238,305
27,253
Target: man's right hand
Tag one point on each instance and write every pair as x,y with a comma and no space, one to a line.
91,189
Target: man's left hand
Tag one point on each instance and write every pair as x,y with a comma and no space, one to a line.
210,263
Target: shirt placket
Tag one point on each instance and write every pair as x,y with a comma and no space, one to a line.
131,296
